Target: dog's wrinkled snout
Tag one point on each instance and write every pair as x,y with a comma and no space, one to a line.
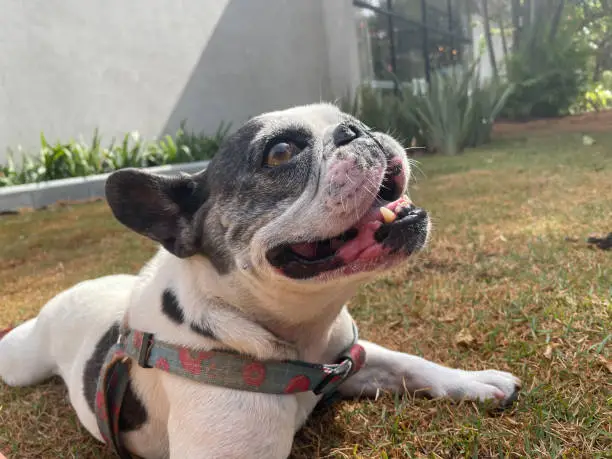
345,133
349,185
347,175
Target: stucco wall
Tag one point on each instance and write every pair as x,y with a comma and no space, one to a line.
71,66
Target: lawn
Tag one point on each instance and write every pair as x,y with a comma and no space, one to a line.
508,282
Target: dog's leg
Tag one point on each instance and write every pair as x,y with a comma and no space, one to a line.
24,359
397,372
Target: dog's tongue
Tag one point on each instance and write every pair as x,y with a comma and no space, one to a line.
366,228
364,245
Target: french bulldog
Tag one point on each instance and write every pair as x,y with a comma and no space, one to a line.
259,254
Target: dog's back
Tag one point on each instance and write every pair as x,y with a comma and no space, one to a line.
63,337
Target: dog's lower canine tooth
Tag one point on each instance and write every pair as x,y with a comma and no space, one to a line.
388,215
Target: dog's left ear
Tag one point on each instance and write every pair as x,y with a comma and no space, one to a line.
161,208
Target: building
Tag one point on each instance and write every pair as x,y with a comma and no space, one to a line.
68,68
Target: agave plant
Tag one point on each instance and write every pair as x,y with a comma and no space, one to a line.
456,109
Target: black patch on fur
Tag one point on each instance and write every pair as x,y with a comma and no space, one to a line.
257,193
161,208
204,330
171,307
133,413
237,231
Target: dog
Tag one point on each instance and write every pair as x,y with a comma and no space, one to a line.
259,254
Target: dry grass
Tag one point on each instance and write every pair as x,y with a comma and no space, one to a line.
507,266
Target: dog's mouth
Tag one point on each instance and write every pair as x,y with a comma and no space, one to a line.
388,231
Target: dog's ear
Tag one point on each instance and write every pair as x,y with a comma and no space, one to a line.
161,208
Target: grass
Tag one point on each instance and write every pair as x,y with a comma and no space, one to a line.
507,267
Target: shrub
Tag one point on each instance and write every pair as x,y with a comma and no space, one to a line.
549,74
606,79
457,109
79,159
595,98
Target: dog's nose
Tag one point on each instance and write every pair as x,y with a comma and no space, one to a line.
345,133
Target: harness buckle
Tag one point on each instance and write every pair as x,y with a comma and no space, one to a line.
145,350
338,374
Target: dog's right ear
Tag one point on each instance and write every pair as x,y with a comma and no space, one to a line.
161,208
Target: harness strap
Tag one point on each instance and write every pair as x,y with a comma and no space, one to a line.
5,332
219,368
241,372
112,385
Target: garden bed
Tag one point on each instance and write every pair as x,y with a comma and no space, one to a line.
582,123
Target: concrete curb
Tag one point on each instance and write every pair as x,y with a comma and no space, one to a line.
38,195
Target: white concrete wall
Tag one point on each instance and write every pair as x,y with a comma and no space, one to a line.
71,66
342,46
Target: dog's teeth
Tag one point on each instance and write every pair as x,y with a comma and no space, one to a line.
405,201
387,215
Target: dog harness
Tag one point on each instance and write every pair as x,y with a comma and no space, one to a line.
220,368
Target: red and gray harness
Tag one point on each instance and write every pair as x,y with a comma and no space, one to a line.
220,368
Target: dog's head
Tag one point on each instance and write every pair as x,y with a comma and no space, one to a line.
304,195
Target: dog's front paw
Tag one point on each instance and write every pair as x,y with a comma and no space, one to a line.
499,387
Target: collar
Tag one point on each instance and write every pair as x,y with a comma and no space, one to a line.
241,372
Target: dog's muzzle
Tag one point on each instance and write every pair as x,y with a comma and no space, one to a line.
382,236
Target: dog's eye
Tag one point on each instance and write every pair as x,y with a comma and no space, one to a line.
280,154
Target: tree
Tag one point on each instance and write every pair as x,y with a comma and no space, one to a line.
516,22
487,29
548,62
595,25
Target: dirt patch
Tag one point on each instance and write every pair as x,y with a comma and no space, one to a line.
587,122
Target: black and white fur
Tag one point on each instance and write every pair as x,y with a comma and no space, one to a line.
211,286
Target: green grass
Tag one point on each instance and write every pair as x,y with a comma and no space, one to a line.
508,264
